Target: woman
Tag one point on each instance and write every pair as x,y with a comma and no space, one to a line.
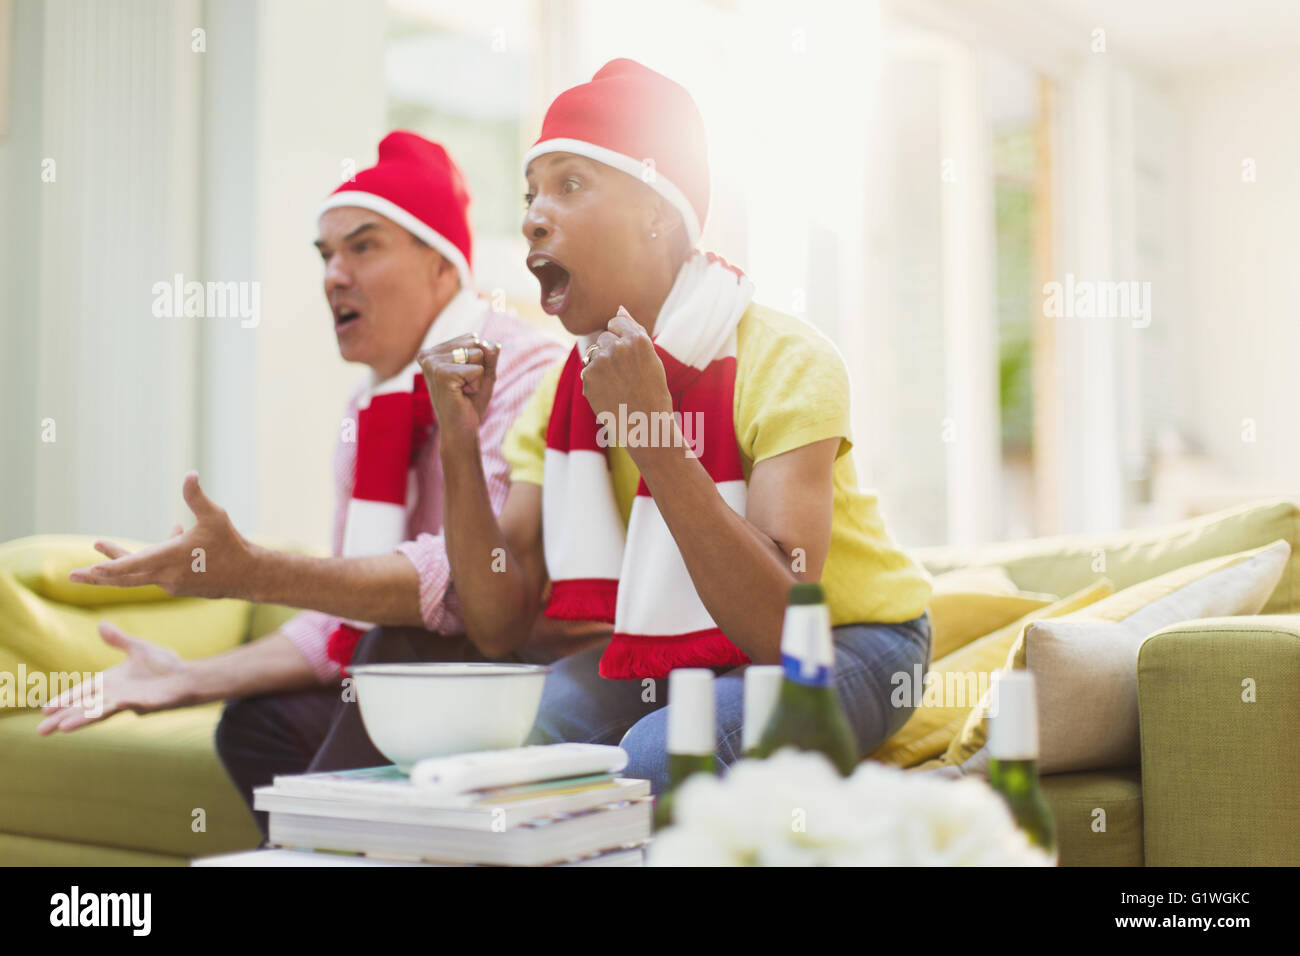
685,532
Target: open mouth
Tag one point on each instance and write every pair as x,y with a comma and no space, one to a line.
345,317
554,280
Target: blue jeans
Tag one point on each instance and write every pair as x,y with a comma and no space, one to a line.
580,706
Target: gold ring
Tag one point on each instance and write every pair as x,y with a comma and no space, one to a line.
459,355
586,356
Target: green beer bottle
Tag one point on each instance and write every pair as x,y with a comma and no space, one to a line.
762,688
1013,757
808,715
690,734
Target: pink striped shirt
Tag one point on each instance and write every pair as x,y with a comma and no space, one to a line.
525,354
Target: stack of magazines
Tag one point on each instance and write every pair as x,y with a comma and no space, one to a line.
562,804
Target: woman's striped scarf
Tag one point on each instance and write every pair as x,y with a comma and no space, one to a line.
637,578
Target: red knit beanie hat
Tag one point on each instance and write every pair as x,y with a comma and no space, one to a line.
638,121
416,185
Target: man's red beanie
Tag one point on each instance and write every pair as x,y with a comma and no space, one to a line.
416,185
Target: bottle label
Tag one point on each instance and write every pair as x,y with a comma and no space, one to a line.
806,672
807,651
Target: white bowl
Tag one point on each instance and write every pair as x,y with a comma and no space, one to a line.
413,711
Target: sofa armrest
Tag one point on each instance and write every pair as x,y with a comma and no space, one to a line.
1219,711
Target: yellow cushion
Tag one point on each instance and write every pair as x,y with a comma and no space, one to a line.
957,681
970,602
42,562
41,634
957,618
1126,603
1061,565
986,579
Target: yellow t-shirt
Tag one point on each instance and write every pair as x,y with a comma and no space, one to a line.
792,389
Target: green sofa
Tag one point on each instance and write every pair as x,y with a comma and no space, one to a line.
134,790
1217,784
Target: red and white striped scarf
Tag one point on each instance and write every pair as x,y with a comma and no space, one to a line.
636,578
394,420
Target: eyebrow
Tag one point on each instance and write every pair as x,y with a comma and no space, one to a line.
322,245
360,229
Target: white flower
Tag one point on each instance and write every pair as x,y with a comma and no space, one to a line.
793,809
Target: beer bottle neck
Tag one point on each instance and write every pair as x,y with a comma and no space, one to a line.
807,652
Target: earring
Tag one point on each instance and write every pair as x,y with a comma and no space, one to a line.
654,235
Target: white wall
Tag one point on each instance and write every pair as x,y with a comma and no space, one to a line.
1242,249
208,162
20,198
116,90
295,88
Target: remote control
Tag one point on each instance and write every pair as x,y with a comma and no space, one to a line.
499,768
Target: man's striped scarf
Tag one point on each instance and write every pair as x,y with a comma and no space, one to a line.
394,420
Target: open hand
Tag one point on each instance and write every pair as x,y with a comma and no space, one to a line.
211,559
151,678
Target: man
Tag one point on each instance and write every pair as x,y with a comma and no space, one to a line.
687,542
395,244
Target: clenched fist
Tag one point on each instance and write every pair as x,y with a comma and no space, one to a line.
460,390
623,368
